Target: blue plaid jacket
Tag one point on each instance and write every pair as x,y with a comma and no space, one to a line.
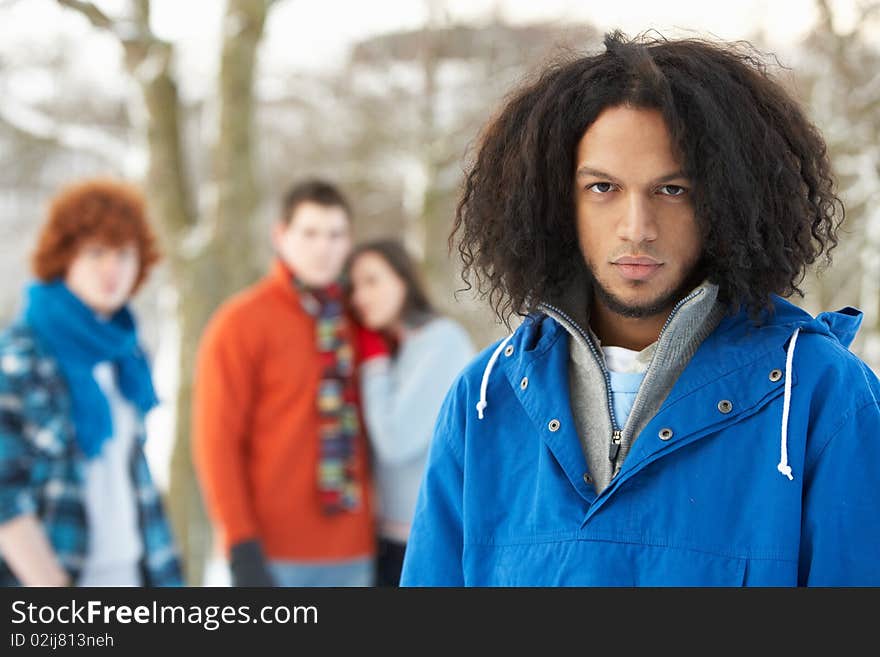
42,469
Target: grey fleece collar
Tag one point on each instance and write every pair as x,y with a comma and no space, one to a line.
691,321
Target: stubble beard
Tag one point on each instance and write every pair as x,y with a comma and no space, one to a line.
663,302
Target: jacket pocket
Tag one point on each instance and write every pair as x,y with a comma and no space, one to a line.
664,566
602,563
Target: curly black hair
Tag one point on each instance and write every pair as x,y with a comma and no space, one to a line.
763,191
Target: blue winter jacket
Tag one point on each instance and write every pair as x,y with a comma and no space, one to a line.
729,484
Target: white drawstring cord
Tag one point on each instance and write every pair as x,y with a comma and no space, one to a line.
482,404
783,466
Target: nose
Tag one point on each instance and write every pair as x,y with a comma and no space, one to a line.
111,264
114,260
357,297
361,307
637,224
323,247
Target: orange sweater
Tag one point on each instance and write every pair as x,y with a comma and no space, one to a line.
255,430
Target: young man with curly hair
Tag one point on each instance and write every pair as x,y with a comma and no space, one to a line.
77,503
662,416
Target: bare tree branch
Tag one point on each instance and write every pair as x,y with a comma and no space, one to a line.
826,19
133,33
142,8
866,9
88,9
33,124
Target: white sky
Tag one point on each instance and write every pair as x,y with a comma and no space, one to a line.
308,33
305,34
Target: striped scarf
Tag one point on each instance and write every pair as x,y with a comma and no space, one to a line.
339,424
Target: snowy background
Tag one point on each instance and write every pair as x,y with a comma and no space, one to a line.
346,89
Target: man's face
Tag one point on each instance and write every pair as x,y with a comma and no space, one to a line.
635,216
103,276
315,243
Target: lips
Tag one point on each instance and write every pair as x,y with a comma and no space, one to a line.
636,268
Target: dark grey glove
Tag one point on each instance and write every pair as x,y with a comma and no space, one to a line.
248,565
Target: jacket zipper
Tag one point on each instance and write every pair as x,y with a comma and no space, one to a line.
614,449
675,308
617,432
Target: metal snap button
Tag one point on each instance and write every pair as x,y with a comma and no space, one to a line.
508,350
775,375
553,425
665,433
587,478
524,383
725,406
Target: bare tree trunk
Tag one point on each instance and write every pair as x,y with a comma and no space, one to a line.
432,231
168,191
225,265
237,193
211,258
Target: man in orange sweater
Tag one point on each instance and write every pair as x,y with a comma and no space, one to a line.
277,436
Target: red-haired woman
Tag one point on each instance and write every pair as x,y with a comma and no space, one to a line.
77,503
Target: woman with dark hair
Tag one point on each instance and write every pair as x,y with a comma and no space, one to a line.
77,503
662,416
410,356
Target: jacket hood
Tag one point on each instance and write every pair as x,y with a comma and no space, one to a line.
841,325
